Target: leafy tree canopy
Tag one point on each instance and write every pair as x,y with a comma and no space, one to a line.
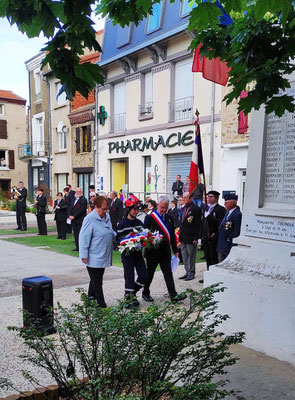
258,46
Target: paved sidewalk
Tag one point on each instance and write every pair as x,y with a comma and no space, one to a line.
257,376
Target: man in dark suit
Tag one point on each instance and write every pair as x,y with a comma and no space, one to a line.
177,187
160,221
21,204
71,191
77,214
60,209
189,231
230,226
212,217
115,209
40,205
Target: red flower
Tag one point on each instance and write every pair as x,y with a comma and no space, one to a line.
143,244
132,234
150,241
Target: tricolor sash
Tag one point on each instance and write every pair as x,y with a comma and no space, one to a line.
161,224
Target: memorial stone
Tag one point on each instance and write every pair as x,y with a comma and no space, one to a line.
259,272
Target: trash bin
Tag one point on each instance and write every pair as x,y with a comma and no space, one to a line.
37,301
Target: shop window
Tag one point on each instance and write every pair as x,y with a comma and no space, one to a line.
1,109
119,174
154,20
84,180
147,174
186,7
62,98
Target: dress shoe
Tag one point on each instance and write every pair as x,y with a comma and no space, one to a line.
201,281
147,297
178,297
183,276
75,249
63,238
18,229
58,237
39,234
133,303
189,278
23,229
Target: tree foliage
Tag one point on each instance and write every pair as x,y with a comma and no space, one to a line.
258,46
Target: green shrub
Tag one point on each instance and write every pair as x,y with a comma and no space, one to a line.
12,206
167,351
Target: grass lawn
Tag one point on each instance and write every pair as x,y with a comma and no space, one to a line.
65,246
51,228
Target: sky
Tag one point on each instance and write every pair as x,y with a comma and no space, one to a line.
15,49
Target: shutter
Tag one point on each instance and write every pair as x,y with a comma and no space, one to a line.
11,159
78,140
3,129
177,164
243,119
89,138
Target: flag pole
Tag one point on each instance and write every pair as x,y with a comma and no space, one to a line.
200,162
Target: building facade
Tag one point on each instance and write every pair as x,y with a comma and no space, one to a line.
83,126
12,132
36,151
150,96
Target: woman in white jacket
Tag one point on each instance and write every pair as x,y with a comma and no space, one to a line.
96,246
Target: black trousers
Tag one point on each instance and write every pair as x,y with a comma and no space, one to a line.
21,219
42,226
61,227
130,262
162,257
210,252
76,230
95,285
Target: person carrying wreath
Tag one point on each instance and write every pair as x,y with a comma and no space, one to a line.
134,259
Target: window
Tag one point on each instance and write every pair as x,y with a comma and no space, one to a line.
154,20
146,108
38,145
35,177
123,35
62,180
62,137
186,7
1,109
182,107
119,107
86,138
61,99
3,129
3,159
37,79
84,180
147,174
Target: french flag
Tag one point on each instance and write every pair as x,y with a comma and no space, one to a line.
197,164
213,70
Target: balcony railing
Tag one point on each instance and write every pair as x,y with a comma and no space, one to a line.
181,109
33,150
145,109
118,122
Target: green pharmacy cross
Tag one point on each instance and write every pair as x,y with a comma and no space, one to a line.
102,115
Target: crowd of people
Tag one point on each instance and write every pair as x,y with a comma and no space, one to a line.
102,222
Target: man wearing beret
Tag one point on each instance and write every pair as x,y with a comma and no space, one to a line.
230,226
212,217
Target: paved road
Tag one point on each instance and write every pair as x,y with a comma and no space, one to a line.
257,376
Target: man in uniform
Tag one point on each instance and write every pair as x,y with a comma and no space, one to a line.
21,204
230,226
212,217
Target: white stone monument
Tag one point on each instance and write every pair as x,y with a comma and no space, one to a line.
259,273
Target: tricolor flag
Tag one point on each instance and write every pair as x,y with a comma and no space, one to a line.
197,165
214,70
